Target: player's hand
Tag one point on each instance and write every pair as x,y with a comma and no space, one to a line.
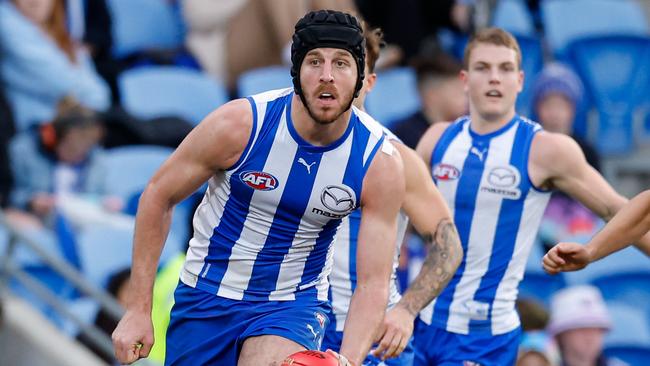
343,361
394,333
566,257
133,337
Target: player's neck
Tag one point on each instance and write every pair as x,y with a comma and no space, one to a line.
317,134
483,125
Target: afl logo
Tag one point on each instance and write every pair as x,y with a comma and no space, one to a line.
445,172
339,199
259,180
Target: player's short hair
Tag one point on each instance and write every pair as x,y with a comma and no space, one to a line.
374,43
494,36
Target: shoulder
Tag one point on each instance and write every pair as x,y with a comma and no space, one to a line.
232,120
547,145
221,137
430,139
385,175
553,154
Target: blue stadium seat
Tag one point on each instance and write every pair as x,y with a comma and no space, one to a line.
540,286
616,72
156,91
632,355
532,62
394,96
514,16
567,20
263,79
143,24
626,287
104,250
630,327
129,168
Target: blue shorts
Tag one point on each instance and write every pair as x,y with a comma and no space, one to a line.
206,329
435,346
333,340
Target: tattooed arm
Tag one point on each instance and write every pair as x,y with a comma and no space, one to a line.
430,216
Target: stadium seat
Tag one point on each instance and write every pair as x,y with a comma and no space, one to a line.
568,20
632,355
158,91
532,61
630,327
143,24
626,287
104,250
394,96
616,72
540,286
513,16
263,79
129,168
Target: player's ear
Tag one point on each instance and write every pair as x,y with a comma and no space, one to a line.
370,81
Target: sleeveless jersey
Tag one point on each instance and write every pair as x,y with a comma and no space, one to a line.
343,278
264,229
497,211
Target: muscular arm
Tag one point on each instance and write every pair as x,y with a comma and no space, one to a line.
430,216
629,224
196,159
382,195
557,162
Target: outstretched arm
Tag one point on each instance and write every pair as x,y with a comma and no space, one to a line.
196,159
382,195
629,224
429,214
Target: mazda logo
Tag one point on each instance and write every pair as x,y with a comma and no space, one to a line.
339,199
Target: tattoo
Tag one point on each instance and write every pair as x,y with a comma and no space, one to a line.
444,254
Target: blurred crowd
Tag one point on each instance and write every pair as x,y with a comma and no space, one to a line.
62,111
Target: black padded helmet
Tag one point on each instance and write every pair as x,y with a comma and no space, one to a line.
327,28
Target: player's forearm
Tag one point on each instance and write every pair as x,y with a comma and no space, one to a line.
444,254
367,309
151,228
630,224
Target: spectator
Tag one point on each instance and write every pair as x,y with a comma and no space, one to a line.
579,322
207,24
41,64
441,94
6,132
117,286
260,32
536,348
556,95
413,25
62,157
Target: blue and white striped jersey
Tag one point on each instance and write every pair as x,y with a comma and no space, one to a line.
264,229
343,278
497,210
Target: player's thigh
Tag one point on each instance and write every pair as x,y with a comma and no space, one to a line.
267,350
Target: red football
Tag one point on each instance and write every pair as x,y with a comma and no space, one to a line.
310,358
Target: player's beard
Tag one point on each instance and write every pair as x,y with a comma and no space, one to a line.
323,121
